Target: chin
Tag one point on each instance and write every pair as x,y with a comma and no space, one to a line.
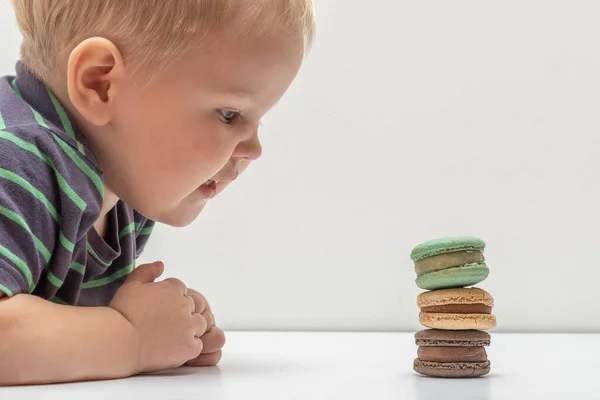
179,218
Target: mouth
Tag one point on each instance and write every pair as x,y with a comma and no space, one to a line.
208,189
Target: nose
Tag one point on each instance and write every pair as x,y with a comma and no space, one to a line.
249,149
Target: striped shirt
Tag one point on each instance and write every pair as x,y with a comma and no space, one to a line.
51,193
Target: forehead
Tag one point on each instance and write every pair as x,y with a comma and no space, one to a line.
243,65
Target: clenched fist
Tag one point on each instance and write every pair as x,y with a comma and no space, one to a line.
165,316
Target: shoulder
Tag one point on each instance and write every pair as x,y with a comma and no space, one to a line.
23,128
29,158
40,154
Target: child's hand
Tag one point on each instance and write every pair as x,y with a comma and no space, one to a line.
214,338
163,315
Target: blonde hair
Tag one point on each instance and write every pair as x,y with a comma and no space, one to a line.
148,32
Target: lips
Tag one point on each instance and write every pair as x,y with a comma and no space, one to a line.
211,187
208,189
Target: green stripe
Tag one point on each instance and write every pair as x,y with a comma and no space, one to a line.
65,120
6,290
11,176
57,300
66,188
36,115
62,182
78,267
19,263
128,229
39,119
147,231
54,280
42,248
2,124
21,222
16,88
66,242
96,256
105,281
83,166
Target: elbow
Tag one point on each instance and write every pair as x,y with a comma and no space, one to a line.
9,317
12,313
12,310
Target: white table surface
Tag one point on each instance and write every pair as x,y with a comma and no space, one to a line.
366,366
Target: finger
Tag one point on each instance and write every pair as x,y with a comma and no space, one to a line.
178,284
210,319
200,301
206,360
213,340
196,349
202,307
146,273
191,303
199,325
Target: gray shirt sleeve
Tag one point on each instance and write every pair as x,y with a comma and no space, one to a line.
29,219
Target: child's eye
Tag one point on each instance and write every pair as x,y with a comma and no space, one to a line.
228,116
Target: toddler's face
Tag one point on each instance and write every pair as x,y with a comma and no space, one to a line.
184,138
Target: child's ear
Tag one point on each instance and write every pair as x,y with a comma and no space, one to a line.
94,71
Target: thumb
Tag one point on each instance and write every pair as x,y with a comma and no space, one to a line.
146,273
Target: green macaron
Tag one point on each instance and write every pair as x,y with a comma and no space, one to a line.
450,262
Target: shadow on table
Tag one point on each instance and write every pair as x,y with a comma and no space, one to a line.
211,372
241,365
238,366
429,388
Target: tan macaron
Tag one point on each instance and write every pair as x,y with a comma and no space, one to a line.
457,309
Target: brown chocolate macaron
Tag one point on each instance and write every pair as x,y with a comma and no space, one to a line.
452,354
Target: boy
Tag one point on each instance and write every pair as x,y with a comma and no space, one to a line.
123,113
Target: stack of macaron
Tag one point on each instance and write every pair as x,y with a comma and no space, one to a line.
456,314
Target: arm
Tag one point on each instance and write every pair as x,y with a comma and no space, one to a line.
148,327
43,342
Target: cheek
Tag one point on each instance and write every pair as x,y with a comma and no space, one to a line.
169,147
153,128
185,156
151,148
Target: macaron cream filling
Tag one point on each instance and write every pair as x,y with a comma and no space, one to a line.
448,260
452,354
459,308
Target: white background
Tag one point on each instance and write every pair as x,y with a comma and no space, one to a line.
409,121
